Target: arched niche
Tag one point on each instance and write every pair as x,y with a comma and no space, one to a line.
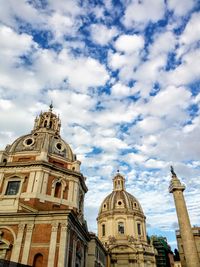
38,260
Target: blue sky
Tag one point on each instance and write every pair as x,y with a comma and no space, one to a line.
125,78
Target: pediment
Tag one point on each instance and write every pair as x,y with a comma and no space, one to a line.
26,208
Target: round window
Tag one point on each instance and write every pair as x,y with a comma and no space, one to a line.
28,142
59,146
119,202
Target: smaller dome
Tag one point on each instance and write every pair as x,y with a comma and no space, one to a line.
120,201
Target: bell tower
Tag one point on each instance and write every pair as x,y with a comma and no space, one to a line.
189,246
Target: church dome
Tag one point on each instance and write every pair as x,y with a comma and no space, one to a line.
120,201
122,227
44,139
35,143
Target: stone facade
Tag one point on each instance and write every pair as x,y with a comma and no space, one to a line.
122,228
196,234
97,254
41,199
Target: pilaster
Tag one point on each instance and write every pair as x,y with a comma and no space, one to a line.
52,247
63,246
17,246
27,244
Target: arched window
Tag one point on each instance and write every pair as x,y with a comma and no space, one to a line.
58,188
45,123
103,230
120,227
139,228
38,260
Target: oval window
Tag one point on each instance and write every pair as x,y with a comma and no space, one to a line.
59,146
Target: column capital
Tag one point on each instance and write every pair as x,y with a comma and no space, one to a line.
64,227
175,184
54,227
21,227
30,227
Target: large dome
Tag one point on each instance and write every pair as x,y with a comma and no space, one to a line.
36,142
43,143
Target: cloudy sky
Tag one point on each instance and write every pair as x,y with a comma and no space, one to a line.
125,78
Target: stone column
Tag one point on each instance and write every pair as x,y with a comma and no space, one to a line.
189,246
52,247
17,246
27,243
63,246
74,252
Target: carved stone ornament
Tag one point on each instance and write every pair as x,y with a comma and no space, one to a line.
54,227
21,227
64,227
112,239
30,227
131,239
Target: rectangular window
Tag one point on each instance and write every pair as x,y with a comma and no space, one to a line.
103,230
12,188
139,229
121,228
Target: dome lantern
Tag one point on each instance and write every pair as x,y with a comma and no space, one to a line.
47,121
118,182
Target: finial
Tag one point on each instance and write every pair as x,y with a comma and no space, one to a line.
172,171
51,107
117,171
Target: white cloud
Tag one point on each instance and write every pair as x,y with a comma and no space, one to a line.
13,44
119,90
129,43
116,60
169,101
192,30
181,10
23,10
163,43
81,72
139,13
101,34
186,72
151,125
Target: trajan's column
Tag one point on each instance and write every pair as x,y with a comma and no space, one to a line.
189,246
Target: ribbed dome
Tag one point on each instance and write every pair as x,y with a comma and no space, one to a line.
36,142
120,201
44,138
